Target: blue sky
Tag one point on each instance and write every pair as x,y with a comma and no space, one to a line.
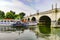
27,6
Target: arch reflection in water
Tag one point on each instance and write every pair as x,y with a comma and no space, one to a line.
44,25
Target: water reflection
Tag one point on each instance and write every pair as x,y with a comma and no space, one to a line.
27,35
9,33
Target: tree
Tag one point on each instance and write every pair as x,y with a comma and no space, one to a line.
16,16
2,15
12,12
10,15
22,14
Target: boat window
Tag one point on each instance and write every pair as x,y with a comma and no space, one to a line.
18,22
4,21
12,21
7,21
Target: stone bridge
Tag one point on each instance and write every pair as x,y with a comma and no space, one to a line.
52,16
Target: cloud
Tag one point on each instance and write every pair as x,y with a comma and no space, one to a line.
19,6
29,0
32,0
37,0
56,0
16,6
2,3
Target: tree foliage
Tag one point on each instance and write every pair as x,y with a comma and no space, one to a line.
2,14
10,15
22,14
12,12
16,16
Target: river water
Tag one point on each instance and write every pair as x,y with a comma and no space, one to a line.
14,34
26,34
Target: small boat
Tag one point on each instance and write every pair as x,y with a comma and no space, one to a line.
20,24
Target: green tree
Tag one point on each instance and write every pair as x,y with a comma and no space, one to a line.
10,15
22,14
12,12
16,16
2,15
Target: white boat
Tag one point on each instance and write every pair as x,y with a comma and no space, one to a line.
32,23
6,23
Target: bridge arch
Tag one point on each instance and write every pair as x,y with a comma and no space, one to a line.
59,21
28,19
45,18
45,24
33,19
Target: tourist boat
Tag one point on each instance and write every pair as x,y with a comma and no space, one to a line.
7,22
20,24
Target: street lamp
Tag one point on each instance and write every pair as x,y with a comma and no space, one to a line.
56,14
56,11
56,17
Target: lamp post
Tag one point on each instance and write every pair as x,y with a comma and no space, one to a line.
37,15
56,18
56,15
55,10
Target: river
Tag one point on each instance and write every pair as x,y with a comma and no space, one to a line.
27,34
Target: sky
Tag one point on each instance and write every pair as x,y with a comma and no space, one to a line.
28,6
